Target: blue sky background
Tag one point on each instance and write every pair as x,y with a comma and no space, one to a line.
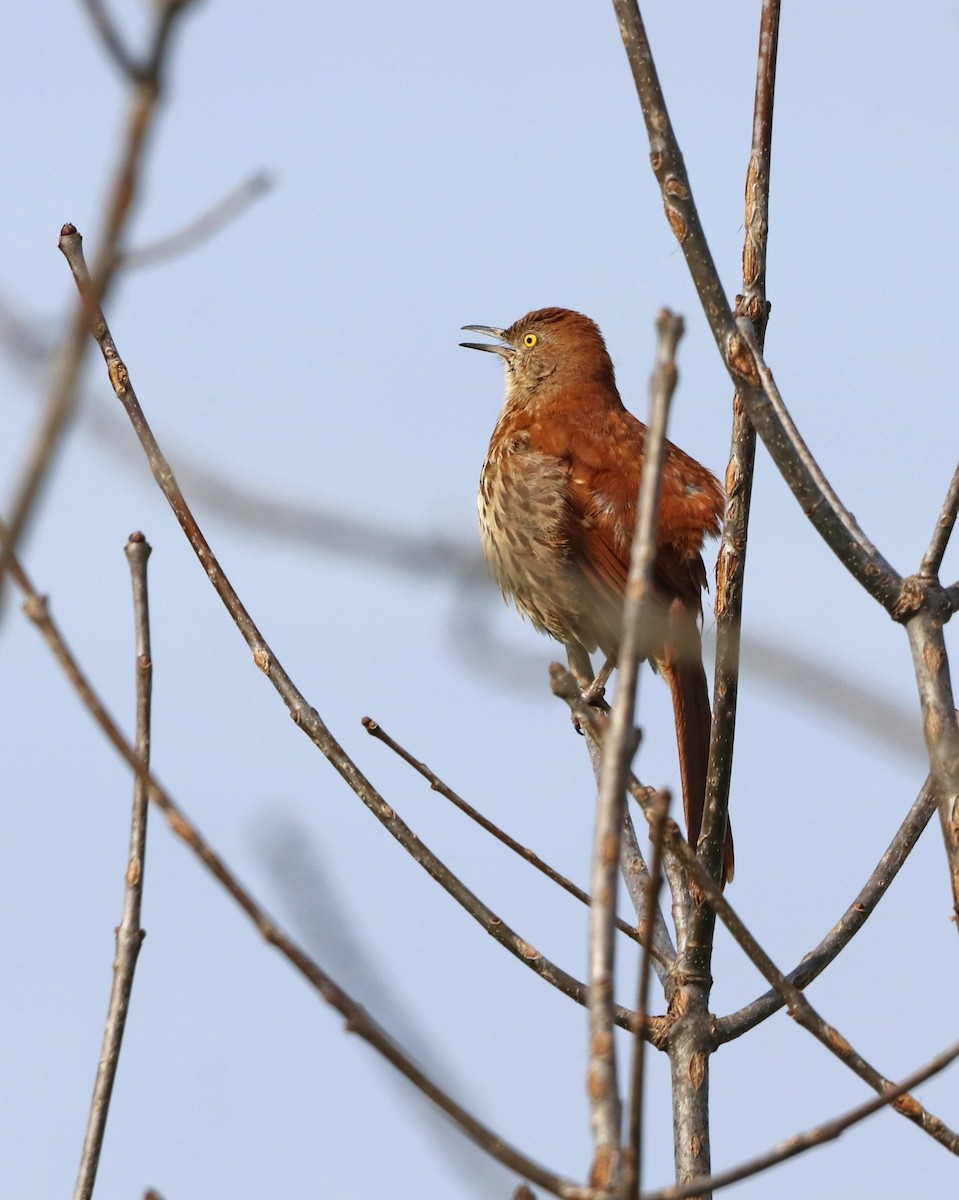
437,165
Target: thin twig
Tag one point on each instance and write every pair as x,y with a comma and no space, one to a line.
619,741
731,562
799,1143
686,1030
633,1159
201,229
738,349
848,925
112,41
358,1021
635,874
682,903
932,559
437,785
636,877
798,1006
129,935
619,745
144,104
930,662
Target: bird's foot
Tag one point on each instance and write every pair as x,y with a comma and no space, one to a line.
595,698
595,694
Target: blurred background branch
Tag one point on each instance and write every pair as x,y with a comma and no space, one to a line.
439,560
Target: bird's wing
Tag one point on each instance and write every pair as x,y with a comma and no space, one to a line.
602,497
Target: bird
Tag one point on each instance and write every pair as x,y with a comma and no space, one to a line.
557,508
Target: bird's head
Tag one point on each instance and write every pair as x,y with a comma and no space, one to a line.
549,348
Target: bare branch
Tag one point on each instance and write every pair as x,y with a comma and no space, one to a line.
753,303
129,936
848,925
112,41
932,559
735,340
202,228
632,865
931,664
796,1002
637,880
632,1175
619,744
357,1019
731,562
437,785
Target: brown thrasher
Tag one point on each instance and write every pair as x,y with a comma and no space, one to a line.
557,505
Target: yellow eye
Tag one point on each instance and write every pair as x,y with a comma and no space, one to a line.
530,340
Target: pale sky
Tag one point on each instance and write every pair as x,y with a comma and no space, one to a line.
437,165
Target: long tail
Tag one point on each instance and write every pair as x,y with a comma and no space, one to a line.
682,668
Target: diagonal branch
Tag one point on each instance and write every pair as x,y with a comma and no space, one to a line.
743,359
848,925
304,715
801,1142
437,785
649,916
636,876
201,228
113,42
357,1018
932,559
798,1006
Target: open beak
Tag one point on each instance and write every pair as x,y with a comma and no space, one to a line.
506,352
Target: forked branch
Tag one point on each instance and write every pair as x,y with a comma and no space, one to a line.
798,1006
